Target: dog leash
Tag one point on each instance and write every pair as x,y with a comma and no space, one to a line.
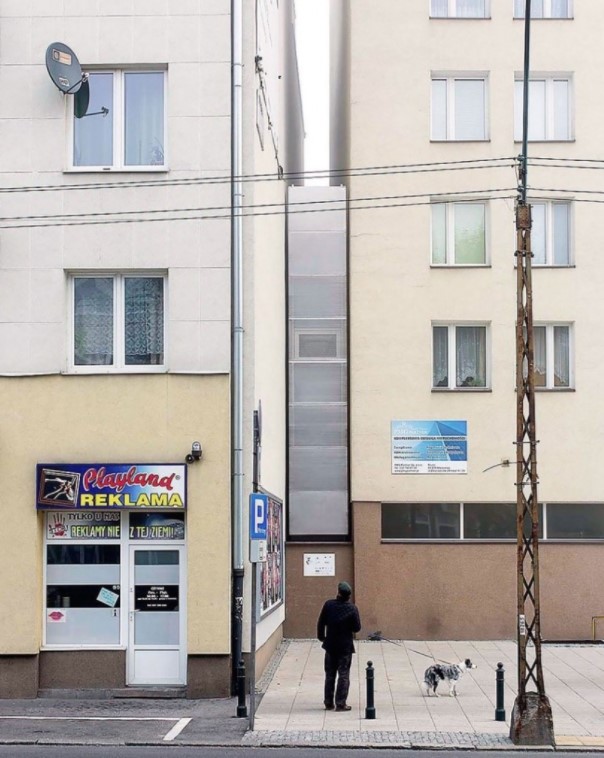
379,637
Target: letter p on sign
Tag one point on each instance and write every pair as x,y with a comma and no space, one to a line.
258,516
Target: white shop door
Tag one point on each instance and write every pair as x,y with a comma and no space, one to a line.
157,653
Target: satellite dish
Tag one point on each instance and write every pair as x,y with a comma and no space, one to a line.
64,68
81,99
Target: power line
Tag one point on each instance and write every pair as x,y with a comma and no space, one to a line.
409,168
254,213
205,209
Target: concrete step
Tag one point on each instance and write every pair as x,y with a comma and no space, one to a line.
157,693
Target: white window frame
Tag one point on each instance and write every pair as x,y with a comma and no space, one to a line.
118,124
314,332
549,233
452,355
450,251
451,78
452,11
550,355
549,79
547,12
119,366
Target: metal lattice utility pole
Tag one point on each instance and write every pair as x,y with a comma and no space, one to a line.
531,722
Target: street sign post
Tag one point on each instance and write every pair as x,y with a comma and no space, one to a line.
258,527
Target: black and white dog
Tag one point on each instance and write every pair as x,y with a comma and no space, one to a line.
449,672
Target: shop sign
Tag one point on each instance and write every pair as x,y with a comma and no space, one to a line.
156,597
429,447
82,526
319,564
157,526
110,486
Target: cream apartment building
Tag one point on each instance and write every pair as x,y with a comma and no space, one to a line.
116,323
430,100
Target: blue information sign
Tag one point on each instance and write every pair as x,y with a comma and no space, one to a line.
258,516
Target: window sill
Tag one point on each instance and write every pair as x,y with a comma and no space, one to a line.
548,265
461,389
570,140
116,170
462,141
566,18
555,389
460,265
100,370
57,648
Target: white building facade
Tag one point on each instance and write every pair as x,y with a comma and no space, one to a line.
431,98
116,328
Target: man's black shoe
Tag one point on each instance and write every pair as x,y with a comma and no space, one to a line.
343,707
329,706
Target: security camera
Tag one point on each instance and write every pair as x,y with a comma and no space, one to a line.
195,454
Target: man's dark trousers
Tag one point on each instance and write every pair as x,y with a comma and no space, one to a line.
337,665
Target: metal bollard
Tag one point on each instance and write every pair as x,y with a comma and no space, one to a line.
499,709
241,706
369,675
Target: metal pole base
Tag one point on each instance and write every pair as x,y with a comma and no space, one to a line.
532,722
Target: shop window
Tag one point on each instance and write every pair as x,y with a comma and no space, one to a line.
83,590
492,521
575,521
131,134
420,521
118,323
454,521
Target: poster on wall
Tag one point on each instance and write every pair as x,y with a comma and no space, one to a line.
82,526
319,564
110,486
270,572
429,447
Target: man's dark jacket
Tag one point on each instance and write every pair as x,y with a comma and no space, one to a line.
338,621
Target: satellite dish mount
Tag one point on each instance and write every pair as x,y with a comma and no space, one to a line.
65,71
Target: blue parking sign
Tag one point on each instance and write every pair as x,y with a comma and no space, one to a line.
258,516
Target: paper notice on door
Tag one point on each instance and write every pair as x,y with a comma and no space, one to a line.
107,597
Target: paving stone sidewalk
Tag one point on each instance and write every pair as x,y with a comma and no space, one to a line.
291,711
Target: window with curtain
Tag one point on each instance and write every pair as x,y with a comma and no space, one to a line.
131,134
459,8
459,357
550,233
550,109
118,321
545,8
458,234
552,355
459,108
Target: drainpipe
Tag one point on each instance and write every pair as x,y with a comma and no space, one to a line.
237,332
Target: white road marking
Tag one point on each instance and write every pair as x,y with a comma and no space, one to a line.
176,730
91,718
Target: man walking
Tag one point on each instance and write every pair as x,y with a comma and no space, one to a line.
338,621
